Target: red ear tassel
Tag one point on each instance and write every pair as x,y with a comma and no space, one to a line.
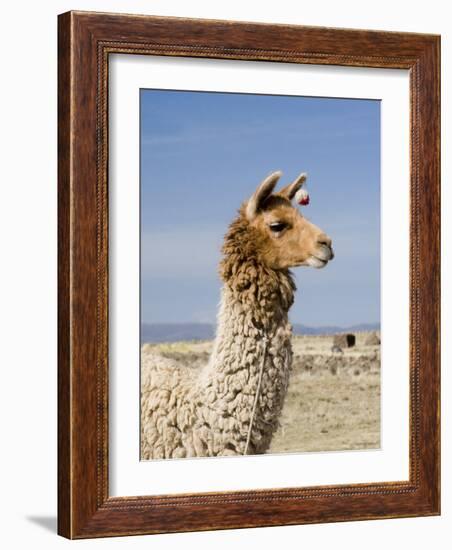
302,197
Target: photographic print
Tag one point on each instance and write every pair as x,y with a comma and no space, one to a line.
245,211
260,274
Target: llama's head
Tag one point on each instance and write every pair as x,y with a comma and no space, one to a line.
284,237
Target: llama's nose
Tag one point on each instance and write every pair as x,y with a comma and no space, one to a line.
324,240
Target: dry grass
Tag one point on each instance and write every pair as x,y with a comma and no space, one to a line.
333,401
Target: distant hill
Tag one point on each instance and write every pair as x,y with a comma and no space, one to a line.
363,327
175,332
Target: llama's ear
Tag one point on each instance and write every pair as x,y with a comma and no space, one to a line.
290,190
262,192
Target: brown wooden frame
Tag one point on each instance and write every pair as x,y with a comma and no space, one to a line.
85,41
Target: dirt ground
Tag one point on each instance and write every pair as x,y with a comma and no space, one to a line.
333,402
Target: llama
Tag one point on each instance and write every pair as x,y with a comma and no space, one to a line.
232,405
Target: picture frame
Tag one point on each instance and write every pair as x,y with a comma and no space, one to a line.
85,42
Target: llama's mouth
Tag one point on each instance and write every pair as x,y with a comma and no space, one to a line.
321,259
318,263
312,261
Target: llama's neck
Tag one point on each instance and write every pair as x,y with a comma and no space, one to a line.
260,295
253,333
255,300
250,316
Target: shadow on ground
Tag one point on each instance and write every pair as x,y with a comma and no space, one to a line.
49,523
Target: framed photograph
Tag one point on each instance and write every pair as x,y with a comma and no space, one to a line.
248,275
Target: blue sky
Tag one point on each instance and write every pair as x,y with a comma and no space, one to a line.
203,154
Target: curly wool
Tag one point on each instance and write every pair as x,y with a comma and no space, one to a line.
185,413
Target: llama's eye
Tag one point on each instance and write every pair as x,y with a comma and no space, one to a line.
277,227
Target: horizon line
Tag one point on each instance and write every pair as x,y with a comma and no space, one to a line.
293,323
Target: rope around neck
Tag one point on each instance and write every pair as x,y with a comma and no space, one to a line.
258,391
